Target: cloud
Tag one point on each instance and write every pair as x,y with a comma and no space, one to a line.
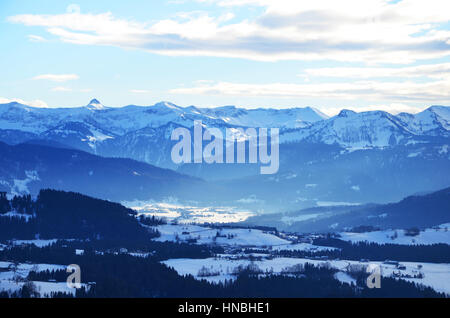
393,108
57,77
435,71
61,89
406,91
33,103
371,31
36,38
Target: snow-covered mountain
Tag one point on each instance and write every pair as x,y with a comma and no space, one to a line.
138,132
143,132
432,121
121,120
28,168
281,118
351,157
95,123
375,128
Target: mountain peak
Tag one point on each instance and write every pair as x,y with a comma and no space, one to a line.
317,112
95,104
441,111
346,113
94,101
165,104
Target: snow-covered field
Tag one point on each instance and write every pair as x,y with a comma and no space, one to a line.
303,247
12,278
345,278
223,266
435,235
14,214
436,276
172,210
38,243
23,269
226,236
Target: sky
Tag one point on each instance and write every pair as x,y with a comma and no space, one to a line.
361,55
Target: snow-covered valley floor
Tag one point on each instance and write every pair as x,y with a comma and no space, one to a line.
438,234
224,266
13,277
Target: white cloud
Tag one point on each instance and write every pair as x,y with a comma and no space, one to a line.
33,103
57,77
36,38
393,108
371,31
435,71
406,91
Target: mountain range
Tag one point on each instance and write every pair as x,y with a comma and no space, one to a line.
348,158
420,210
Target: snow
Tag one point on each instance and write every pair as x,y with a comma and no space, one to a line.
280,118
352,130
365,130
15,214
24,269
79,252
443,149
20,187
303,247
184,213
231,236
38,243
45,289
436,235
95,105
136,254
345,278
10,283
436,276
429,120
414,154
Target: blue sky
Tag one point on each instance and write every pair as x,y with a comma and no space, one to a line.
363,55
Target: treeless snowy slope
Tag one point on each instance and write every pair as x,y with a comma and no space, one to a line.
436,235
226,236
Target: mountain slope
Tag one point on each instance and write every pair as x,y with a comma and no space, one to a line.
352,157
106,130
31,167
420,211
356,130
